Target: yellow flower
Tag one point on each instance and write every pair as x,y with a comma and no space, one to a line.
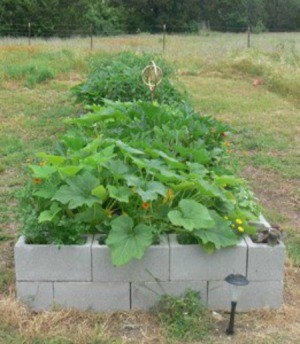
169,196
239,221
241,229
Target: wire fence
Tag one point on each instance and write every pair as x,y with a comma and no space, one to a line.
32,31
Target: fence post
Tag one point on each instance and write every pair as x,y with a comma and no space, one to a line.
248,36
164,37
91,35
29,33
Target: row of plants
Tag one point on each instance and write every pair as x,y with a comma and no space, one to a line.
133,171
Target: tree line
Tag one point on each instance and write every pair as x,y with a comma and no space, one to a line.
65,17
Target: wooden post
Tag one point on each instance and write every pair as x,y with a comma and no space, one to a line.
208,25
164,37
29,33
91,35
248,36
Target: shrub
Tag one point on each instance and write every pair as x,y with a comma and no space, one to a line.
119,78
133,171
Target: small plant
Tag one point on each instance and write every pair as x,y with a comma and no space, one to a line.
185,318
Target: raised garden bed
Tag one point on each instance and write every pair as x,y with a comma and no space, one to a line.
82,276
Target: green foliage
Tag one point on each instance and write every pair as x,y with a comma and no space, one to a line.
119,78
184,319
133,171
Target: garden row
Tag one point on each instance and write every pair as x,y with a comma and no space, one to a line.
82,276
133,172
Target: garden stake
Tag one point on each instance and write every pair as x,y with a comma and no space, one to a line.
152,77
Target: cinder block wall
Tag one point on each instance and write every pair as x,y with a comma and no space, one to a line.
82,276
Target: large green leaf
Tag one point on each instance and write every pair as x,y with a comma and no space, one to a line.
69,170
120,193
100,192
46,191
93,215
127,242
220,234
43,172
191,215
78,192
151,190
128,149
118,168
100,158
49,215
52,159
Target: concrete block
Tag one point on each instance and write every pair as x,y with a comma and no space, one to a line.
191,262
256,295
93,296
36,295
146,295
153,266
51,263
265,262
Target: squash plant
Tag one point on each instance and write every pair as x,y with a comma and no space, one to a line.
133,171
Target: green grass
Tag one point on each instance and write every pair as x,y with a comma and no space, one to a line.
30,66
293,249
184,318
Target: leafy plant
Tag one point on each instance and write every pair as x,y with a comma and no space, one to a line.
184,318
119,78
132,172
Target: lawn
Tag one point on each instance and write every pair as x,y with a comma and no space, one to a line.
218,72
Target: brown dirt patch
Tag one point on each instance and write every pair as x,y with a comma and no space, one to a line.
278,195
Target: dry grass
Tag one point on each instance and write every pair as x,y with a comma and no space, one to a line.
79,327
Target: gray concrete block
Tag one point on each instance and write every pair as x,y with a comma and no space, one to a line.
256,295
50,263
153,266
146,295
93,296
36,295
265,262
191,262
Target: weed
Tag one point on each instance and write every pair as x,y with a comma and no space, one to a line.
6,279
184,318
293,248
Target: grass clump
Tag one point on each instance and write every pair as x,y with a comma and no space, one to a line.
31,66
185,318
119,78
293,248
279,69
